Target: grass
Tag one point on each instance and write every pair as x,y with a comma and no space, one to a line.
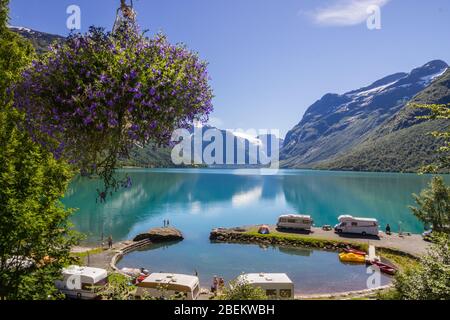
305,241
401,260
86,253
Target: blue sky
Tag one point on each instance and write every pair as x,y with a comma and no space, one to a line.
270,59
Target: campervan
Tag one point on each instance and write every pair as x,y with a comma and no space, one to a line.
363,226
166,285
80,282
295,222
275,285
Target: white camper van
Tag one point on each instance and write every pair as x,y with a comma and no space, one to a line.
166,285
79,282
275,285
363,226
295,222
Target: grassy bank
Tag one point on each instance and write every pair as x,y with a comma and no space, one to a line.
301,240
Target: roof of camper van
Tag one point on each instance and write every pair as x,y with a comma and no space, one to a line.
265,278
346,216
86,273
301,216
181,280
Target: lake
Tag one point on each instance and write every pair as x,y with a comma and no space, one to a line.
197,200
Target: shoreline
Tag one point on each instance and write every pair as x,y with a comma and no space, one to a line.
410,247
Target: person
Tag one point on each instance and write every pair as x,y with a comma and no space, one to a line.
221,283
167,222
110,241
196,272
388,229
164,223
215,284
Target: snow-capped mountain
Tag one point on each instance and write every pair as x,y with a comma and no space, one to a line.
239,148
337,123
40,40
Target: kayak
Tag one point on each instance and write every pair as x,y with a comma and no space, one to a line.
350,250
351,257
385,268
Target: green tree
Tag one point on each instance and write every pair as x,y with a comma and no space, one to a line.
430,280
35,237
439,112
117,288
241,289
433,206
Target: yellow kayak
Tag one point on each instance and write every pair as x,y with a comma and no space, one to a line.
351,257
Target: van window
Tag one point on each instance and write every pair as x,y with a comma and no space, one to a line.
271,293
285,293
354,224
305,221
343,224
292,221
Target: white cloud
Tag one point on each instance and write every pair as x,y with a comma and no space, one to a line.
345,12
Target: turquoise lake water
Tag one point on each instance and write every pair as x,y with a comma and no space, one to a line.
197,200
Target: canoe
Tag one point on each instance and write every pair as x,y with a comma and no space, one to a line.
350,250
385,268
351,257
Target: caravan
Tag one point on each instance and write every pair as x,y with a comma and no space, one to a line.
166,285
363,226
275,285
80,282
295,222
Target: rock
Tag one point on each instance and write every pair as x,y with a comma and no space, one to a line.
160,235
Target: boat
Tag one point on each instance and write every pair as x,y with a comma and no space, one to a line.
352,257
385,268
358,252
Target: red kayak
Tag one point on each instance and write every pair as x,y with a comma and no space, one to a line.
385,268
354,251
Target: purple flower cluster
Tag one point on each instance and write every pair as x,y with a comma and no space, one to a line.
93,97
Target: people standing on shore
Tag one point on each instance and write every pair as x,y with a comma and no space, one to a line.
110,242
388,229
221,284
164,223
215,285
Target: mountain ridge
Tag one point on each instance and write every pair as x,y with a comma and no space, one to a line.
337,123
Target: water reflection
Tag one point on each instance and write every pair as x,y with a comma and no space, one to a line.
198,200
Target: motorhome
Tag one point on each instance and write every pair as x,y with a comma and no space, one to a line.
275,285
166,285
80,282
363,226
295,222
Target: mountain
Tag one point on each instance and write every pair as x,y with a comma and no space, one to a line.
336,124
40,40
238,149
402,143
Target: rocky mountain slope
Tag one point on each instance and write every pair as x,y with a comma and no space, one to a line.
403,143
337,125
